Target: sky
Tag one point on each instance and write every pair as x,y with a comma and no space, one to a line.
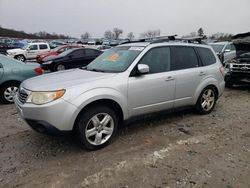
75,17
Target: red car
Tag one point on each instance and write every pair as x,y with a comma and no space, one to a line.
55,52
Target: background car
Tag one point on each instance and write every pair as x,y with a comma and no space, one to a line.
72,58
226,51
12,73
29,51
56,51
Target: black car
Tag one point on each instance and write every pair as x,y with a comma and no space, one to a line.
73,58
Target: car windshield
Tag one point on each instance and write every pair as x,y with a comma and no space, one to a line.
217,47
25,46
117,59
66,52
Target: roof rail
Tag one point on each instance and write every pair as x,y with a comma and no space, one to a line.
152,39
195,40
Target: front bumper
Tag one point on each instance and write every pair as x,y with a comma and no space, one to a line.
57,116
237,78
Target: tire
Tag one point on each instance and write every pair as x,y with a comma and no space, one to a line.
20,58
8,91
59,67
92,133
206,101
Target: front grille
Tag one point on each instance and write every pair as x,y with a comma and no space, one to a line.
22,95
244,68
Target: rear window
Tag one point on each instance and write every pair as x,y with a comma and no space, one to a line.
183,58
43,46
206,55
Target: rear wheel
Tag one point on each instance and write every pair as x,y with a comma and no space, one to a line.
96,127
20,58
206,101
8,91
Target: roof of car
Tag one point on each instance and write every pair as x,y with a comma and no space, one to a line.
223,42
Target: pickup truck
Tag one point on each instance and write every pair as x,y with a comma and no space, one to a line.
29,51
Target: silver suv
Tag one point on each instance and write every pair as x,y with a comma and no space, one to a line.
126,81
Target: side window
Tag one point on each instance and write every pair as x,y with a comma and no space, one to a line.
158,60
206,55
33,47
183,58
43,47
90,52
77,53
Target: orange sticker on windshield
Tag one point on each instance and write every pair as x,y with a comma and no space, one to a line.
114,57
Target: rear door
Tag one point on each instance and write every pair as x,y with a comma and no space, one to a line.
188,72
43,48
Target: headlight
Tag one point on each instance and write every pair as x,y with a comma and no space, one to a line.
11,53
43,97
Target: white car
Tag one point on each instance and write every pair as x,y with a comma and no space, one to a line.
29,51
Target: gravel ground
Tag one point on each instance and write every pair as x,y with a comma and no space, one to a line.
180,149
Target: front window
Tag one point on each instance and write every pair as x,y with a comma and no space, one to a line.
117,59
217,47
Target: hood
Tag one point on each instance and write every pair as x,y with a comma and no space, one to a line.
17,50
63,80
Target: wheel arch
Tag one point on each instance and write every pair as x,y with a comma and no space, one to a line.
106,102
209,83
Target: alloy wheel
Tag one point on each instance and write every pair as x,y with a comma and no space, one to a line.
208,99
99,129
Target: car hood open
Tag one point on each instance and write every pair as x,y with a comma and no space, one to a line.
63,80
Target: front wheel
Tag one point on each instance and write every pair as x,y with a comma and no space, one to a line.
96,127
206,101
20,58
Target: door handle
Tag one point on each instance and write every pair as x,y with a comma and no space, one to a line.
202,73
169,78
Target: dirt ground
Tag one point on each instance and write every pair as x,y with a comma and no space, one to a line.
180,149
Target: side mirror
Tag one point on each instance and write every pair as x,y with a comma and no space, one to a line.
227,50
1,66
28,49
143,68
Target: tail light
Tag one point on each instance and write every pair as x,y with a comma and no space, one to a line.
222,71
39,70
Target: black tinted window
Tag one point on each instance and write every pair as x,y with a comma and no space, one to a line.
207,57
77,53
158,60
183,58
43,46
90,52
33,47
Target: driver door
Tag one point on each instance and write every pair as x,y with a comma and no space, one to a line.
32,51
154,91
